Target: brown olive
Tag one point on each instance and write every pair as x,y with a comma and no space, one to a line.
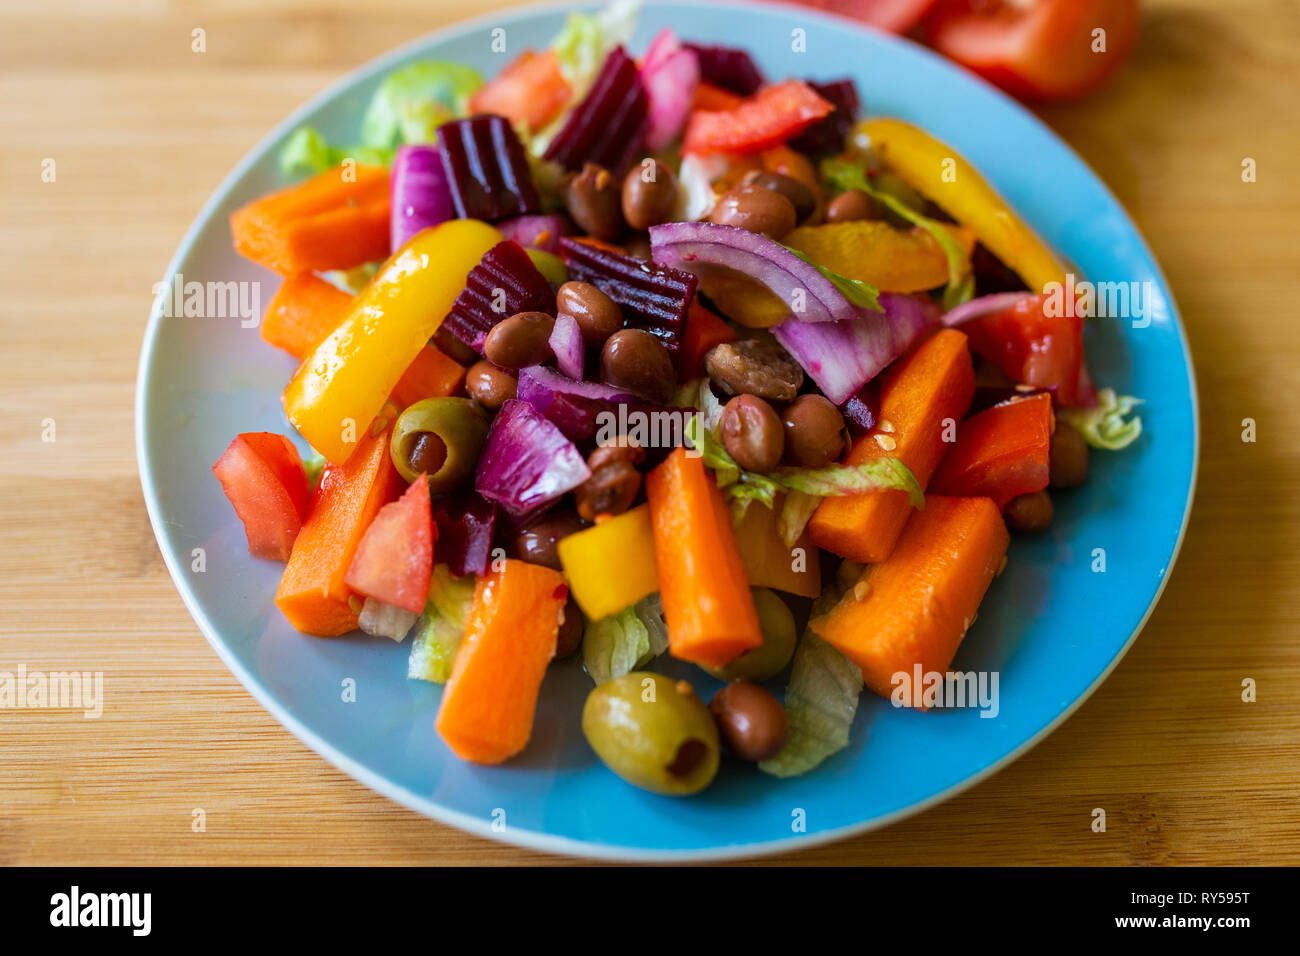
609,491
490,386
815,433
851,206
800,196
569,638
751,433
597,315
537,542
649,194
1068,456
522,340
593,200
1031,512
428,453
758,368
755,209
751,722
637,361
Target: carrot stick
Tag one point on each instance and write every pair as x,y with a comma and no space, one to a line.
487,707
914,608
336,220
312,593
924,396
530,90
1000,453
433,374
303,311
704,329
707,604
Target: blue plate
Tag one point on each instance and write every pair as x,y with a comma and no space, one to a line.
1052,626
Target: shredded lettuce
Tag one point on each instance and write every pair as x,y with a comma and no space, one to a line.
439,630
858,291
314,465
623,642
352,280
414,101
307,153
384,620
844,174
821,701
1106,425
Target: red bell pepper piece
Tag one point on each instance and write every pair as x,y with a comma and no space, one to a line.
1031,347
704,329
1000,453
770,116
262,475
395,557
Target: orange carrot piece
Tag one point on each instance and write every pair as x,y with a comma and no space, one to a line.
924,396
486,715
303,311
336,220
918,604
768,562
433,374
713,98
707,605
1000,453
312,592
530,90
704,329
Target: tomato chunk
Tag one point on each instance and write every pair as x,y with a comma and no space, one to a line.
1000,453
531,90
770,116
395,557
1032,347
262,475
897,16
1047,50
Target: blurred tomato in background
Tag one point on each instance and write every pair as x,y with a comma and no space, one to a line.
1037,50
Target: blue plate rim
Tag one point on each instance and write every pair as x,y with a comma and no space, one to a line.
536,840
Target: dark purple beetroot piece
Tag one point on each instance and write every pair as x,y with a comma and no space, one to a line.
609,125
653,297
466,523
504,282
828,134
728,67
487,169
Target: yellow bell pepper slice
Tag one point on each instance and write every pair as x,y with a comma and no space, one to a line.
938,173
345,381
611,565
892,260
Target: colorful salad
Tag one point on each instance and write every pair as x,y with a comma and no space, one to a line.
628,357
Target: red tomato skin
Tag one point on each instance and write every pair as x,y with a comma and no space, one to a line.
394,559
895,16
1040,54
1033,348
1000,452
262,475
771,116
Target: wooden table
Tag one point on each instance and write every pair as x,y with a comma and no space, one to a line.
142,130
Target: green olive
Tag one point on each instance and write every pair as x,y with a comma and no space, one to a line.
442,437
653,732
779,638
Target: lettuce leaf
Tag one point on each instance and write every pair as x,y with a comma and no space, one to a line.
623,642
858,291
844,174
1105,425
414,101
821,701
439,630
306,153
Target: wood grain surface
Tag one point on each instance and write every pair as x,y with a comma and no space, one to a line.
142,130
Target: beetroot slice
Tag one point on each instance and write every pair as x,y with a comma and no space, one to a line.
828,134
504,282
728,67
653,297
609,125
466,524
487,169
